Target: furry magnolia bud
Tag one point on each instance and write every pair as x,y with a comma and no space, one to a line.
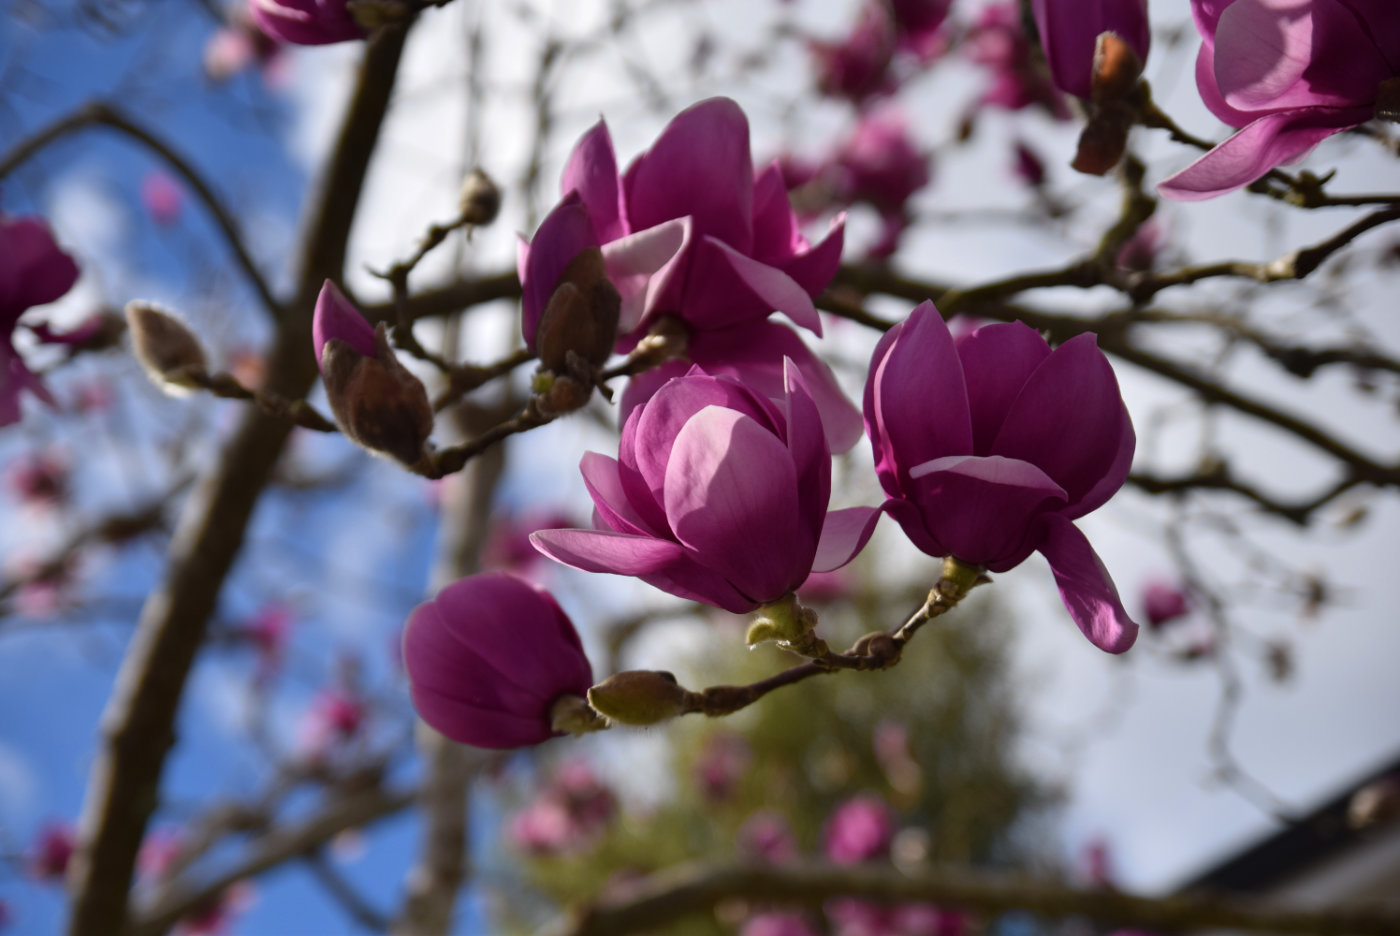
581,315
376,400
480,200
165,346
639,697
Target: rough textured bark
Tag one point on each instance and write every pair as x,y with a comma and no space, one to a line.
138,725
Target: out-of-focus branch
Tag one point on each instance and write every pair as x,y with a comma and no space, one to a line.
138,724
102,114
345,893
682,892
297,411
1112,332
1217,477
283,843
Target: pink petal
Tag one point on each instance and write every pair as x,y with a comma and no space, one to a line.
1069,32
731,497
602,477
725,287
34,270
986,511
478,726
1069,421
647,266
1268,142
775,235
844,534
699,166
592,172
563,234
813,269
916,397
1086,588
337,318
809,454
997,360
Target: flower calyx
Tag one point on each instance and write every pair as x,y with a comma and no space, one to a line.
788,623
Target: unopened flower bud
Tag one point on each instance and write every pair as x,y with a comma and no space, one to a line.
165,346
376,400
480,200
639,697
1117,69
581,315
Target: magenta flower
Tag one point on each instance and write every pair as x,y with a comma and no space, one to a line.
880,164
717,496
162,198
753,353
39,479
335,718
488,658
337,319
569,815
1289,74
861,829
53,850
1163,602
766,836
997,42
858,66
778,924
1069,33
691,233
988,448
508,548
34,271
306,22
267,632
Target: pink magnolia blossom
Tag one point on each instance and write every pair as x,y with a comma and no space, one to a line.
717,496
306,22
1140,252
267,632
1289,74
861,829
1069,32
723,760
162,198
34,271
858,66
488,658
778,924
880,164
1164,602
39,479
53,850
568,816
997,42
335,718
989,447
690,233
508,548
766,836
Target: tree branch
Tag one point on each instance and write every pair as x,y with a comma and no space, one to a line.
102,114
138,724
682,892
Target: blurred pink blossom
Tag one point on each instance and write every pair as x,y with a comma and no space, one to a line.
1164,602
52,850
860,829
765,836
723,760
567,816
162,197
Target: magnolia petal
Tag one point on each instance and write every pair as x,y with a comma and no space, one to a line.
807,448
997,360
1069,33
813,269
34,270
479,727
700,166
1270,141
985,511
775,234
602,477
592,172
726,288
337,318
731,498
1086,588
844,535
648,268
602,551
1068,419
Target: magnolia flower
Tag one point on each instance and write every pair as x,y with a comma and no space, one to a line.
989,447
568,816
162,198
778,924
997,42
1163,602
717,496
53,850
721,764
306,22
33,271
335,718
766,836
1069,33
859,830
880,163
489,657
1289,73
858,66
39,479
690,234
507,547
376,400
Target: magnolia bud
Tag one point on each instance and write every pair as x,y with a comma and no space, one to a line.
639,697
165,346
376,400
581,315
480,200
